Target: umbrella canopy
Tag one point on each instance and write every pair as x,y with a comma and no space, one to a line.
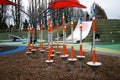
6,2
59,4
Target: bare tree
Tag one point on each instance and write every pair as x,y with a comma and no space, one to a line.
100,13
3,13
3,17
16,13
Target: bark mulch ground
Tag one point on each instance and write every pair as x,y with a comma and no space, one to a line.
19,66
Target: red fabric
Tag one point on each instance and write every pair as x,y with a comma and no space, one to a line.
6,2
59,4
3,2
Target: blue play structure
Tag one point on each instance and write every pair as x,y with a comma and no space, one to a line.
6,52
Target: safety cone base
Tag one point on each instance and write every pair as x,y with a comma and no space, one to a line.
58,53
42,51
64,57
28,52
49,62
94,64
52,56
80,57
53,51
33,50
72,61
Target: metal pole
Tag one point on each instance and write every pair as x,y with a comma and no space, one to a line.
80,36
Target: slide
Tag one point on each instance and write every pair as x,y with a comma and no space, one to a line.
76,33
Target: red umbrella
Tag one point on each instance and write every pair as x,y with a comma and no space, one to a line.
6,2
59,4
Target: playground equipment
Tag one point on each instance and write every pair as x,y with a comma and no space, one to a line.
93,64
41,49
14,37
72,58
50,55
33,50
64,56
57,30
28,48
51,39
81,57
6,2
85,31
56,4
74,3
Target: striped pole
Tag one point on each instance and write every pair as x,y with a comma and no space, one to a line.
50,47
94,64
81,57
64,34
72,58
72,47
64,55
93,47
57,30
94,30
41,35
28,30
81,53
33,50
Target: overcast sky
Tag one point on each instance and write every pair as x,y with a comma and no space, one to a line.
111,7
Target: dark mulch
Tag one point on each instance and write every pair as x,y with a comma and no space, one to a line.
19,67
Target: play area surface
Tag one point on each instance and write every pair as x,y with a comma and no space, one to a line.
19,66
9,47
